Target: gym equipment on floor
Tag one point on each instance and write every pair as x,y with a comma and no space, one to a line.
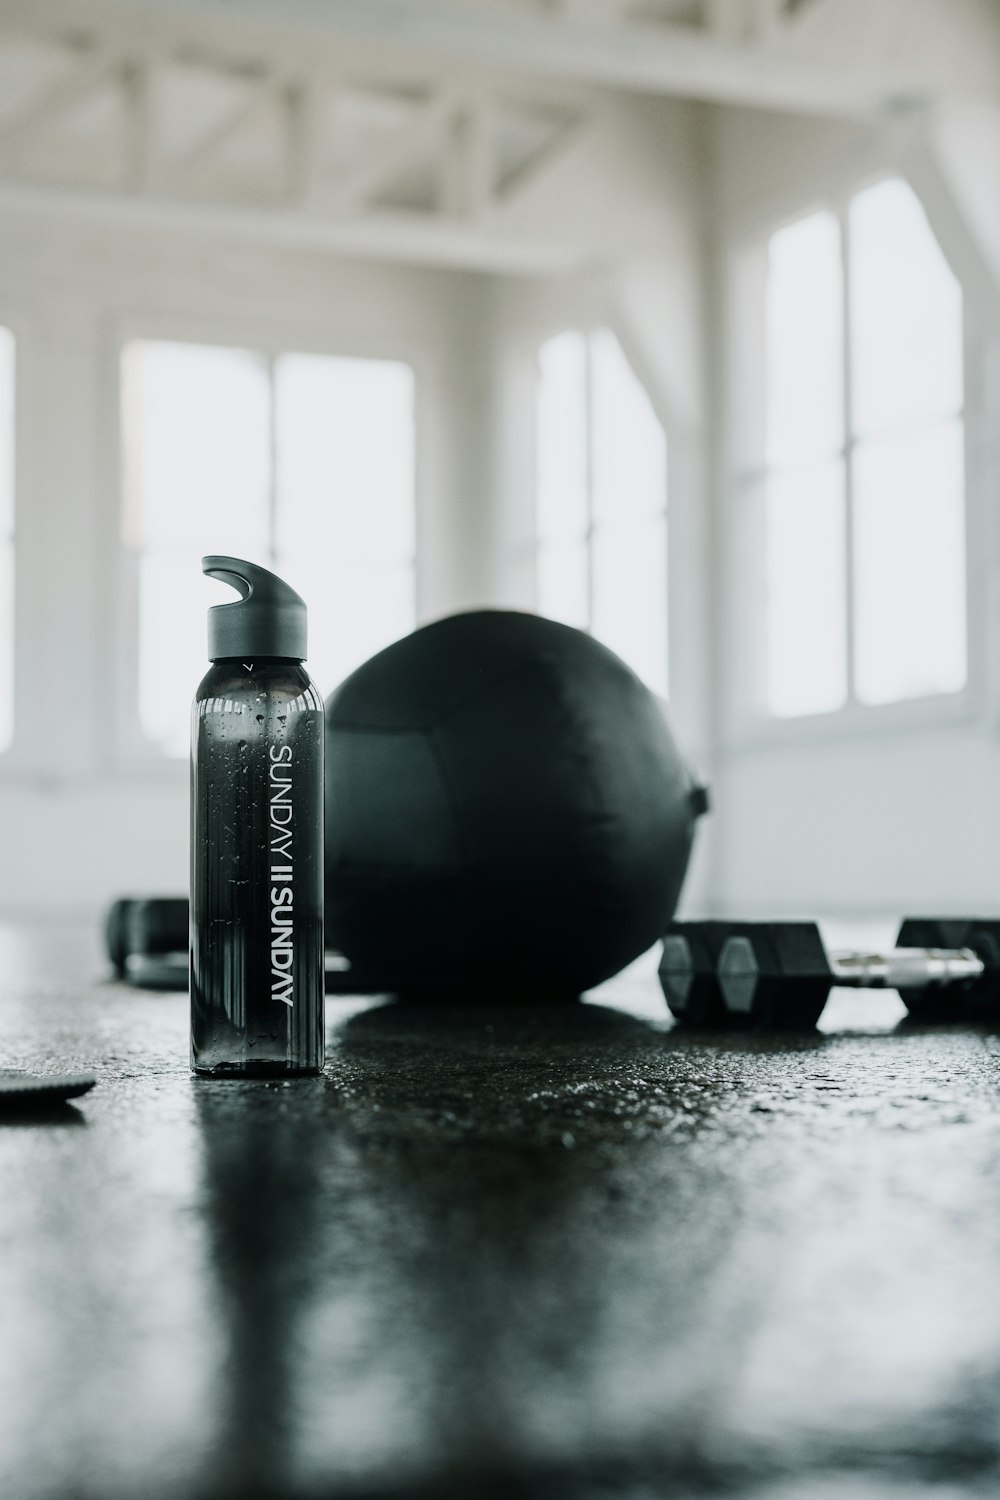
772,975
508,816
147,943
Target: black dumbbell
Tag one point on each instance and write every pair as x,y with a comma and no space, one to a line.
773,975
147,943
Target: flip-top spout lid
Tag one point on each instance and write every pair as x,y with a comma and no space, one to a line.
269,620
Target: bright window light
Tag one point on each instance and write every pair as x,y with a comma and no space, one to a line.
906,315
6,538
563,479
301,462
909,547
563,571
629,449
197,465
562,486
806,570
805,343
629,595
863,459
601,497
345,534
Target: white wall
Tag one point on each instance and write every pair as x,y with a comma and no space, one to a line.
826,824
905,816
85,818
93,817
655,303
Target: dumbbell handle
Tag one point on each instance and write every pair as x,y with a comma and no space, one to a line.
905,968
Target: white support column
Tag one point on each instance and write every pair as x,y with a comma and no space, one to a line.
457,496
57,525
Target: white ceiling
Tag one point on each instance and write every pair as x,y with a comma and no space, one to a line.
841,56
409,115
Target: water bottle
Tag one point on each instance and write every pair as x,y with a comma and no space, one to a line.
256,837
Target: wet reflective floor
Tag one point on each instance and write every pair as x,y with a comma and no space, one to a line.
572,1253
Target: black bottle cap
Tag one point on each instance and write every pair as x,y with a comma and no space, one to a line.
270,619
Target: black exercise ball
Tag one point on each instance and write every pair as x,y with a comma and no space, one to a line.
507,814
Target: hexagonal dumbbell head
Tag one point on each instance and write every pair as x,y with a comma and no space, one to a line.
978,1000
740,975
688,973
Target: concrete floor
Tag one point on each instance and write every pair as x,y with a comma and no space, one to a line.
522,1254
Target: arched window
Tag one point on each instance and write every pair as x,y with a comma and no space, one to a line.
862,472
601,500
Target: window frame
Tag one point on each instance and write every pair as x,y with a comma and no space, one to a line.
123,740
587,327
745,720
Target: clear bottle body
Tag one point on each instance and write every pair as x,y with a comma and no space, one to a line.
257,871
